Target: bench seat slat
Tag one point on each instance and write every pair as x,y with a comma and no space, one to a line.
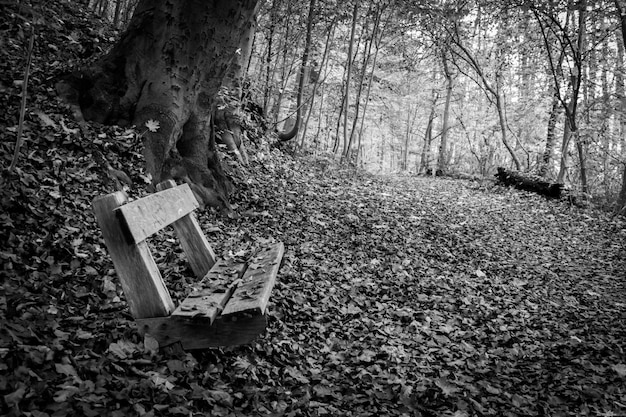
209,296
253,293
146,216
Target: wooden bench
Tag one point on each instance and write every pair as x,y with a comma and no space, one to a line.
227,305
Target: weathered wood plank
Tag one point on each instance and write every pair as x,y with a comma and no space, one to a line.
148,215
209,296
141,280
192,239
199,334
253,293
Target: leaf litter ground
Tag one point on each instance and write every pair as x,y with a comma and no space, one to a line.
398,295
436,297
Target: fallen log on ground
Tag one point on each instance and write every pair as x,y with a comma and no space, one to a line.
529,182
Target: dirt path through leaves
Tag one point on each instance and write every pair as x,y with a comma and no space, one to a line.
431,296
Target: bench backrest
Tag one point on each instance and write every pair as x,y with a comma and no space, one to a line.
126,226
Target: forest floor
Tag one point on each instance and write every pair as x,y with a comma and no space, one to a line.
398,296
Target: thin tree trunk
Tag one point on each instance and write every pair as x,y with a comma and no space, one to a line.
286,45
580,145
426,149
607,109
443,144
567,136
548,152
322,69
355,119
582,157
555,109
268,61
355,13
319,120
338,126
428,136
503,131
620,206
369,84
571,109
382,155
407,140
284,73
367,53
285,136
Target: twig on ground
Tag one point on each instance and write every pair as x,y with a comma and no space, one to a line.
20,127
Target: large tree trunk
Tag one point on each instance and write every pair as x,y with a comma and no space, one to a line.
168,67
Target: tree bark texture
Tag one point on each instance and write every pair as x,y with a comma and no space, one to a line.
168,67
